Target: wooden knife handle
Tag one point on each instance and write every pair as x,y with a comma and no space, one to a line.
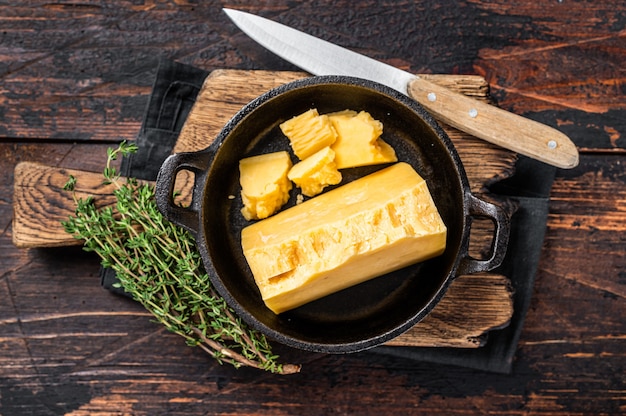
495,125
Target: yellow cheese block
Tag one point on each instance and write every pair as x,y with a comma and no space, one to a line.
264,184
308,133
361,230
316,172
358,140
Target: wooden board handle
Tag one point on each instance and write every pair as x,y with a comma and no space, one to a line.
40,204
495,125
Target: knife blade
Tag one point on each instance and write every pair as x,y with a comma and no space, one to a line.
482,120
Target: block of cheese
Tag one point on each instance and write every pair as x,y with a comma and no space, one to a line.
264,184
308,133
364,229
358,140
316,172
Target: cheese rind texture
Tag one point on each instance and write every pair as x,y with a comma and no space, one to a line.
369,227
316,172
264,184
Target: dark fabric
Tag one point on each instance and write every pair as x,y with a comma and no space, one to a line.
530,187
173,95
174,91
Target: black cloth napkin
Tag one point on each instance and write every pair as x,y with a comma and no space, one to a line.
174,92
530,188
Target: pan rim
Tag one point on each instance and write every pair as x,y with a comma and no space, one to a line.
374,340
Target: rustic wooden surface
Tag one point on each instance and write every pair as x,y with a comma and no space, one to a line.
75,77
223,93
474,304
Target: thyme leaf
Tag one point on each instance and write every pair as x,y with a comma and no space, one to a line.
158,264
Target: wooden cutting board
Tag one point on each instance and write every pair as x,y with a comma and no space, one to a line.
473,305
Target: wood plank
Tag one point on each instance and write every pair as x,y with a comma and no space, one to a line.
69,347
541,78
575,332
588,215
41,204
474,305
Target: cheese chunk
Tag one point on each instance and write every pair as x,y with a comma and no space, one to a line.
371,226
264,184
308,133
316,172
358,140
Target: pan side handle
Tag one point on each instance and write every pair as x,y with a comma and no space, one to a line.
502,229
194,162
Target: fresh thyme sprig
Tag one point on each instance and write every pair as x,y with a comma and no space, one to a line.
158,264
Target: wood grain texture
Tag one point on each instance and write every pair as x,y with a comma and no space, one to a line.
40,204
576,320
532,60
226,91
473,306
69,347
81,72
495,125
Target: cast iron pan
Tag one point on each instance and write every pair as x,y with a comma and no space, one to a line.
362,316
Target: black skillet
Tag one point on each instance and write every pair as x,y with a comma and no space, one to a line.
370,313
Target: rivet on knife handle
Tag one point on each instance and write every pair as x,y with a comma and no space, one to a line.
495,125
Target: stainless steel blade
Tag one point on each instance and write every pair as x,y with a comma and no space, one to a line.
317,56
479,119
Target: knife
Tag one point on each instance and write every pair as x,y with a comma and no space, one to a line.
488,122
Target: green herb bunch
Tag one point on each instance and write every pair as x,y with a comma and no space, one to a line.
158,264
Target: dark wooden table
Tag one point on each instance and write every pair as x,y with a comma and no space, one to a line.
75,78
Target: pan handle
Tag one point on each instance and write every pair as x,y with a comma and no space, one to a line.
195,162
502,223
